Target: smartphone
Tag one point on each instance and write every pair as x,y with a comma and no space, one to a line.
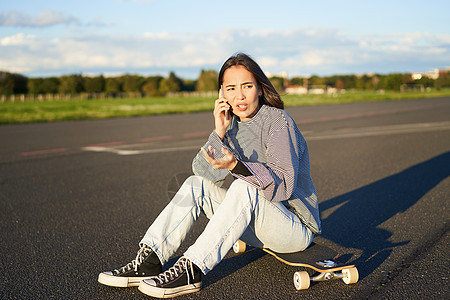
227,113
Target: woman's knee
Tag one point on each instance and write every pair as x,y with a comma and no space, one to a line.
242,190
196,183
193,180
202,191
288,243
241,185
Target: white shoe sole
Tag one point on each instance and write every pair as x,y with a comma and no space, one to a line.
107,278
168,292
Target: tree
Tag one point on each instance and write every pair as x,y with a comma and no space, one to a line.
113,85
316,80
71,84
349,81
339,84
132,83
296,81
94,84
50,85
207,81
11,83
425,81
189,85
375,81
278,83
6,83
41,85
151,86
393,81
35,86
363,82
171,84
330,80
442,81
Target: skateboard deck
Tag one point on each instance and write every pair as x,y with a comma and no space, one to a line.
317,257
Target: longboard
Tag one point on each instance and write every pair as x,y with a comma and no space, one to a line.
317,257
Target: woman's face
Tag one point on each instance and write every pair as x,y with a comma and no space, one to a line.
241,91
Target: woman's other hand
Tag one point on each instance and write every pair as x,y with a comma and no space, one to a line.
226,162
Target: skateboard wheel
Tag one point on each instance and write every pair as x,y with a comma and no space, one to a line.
301,280
350,275
239,247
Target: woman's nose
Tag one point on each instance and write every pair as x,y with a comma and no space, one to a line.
239,94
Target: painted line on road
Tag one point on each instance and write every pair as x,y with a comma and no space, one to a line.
156,138
136,152
47,151
378,130
368,114
130,149
107,144
197,134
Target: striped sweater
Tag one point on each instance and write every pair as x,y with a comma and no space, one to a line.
275,153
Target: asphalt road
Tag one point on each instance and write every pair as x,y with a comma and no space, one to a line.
76,197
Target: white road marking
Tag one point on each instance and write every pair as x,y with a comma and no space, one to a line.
136,152
377,130
148,148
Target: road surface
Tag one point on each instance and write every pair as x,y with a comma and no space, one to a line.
76,197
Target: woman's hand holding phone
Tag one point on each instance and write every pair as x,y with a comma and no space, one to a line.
222,120
222,117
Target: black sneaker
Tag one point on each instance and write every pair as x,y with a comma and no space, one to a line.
183,278
145,265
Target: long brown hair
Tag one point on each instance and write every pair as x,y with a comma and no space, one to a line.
269,95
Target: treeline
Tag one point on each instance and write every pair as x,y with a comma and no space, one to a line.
392,82
152,86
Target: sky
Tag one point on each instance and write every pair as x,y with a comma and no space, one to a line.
153,37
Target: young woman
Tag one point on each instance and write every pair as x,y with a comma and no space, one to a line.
272,202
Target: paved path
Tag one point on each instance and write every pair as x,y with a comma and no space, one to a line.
76,197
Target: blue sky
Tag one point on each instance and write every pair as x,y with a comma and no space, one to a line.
148,37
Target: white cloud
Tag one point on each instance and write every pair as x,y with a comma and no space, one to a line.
16,40
268,61
302,51
43,19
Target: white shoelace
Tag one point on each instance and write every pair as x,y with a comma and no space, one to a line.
135,263
181,265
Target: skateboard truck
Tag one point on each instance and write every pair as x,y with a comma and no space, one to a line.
302,279
327,276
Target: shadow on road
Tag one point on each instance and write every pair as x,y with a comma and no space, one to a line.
355,222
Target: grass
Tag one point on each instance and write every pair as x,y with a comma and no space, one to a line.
50,111
360,96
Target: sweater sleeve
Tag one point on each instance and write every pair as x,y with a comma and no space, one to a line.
241,169
202,168
277,177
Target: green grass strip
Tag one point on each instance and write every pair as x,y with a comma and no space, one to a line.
50,111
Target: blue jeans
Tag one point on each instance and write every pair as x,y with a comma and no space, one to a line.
241,212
